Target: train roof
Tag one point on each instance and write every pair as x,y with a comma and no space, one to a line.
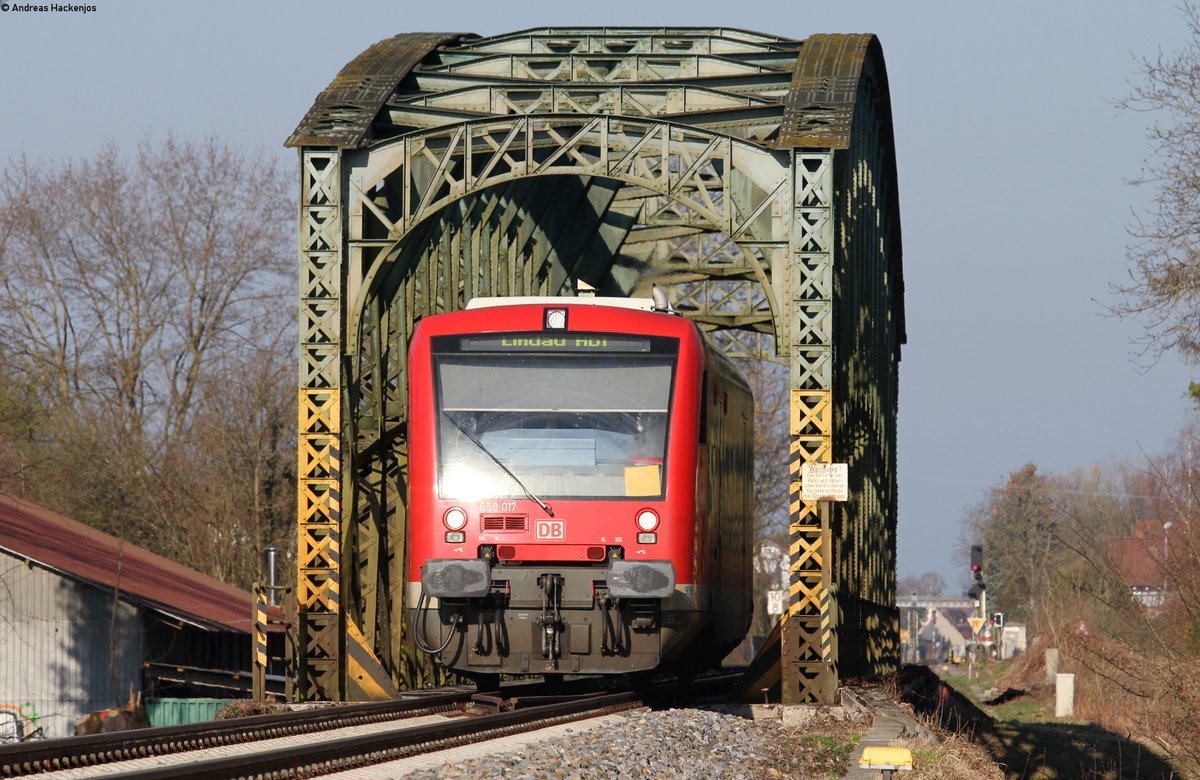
590,313
639,304
530,313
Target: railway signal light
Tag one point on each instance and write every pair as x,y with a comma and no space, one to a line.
977,587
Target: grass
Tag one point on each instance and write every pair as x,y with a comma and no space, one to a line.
1022,709
1024,742
1031,744
984,677
951,757
820,749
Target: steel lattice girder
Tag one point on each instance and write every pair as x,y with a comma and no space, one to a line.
753,174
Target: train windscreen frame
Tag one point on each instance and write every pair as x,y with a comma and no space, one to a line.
570,415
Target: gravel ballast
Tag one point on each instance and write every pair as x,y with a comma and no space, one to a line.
676,743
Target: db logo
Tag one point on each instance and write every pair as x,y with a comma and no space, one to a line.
550,529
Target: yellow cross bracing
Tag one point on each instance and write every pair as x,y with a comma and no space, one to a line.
753,175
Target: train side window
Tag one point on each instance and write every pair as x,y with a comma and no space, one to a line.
704,409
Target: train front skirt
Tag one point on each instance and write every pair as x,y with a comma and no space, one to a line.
556,619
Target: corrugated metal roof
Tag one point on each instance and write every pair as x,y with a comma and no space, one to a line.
80,552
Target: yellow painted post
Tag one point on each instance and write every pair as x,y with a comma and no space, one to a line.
260,643
319,545
808,654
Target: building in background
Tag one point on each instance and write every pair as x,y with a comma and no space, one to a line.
1013,641
86,618
1142,561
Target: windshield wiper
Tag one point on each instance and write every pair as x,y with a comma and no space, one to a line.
499,463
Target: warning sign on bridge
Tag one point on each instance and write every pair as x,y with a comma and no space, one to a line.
825,482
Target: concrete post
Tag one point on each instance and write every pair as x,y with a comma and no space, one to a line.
1064,695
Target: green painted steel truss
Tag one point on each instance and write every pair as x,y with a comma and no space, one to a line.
751,175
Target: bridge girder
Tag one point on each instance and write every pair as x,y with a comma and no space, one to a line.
752,174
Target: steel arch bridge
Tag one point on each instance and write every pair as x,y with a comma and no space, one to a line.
752,175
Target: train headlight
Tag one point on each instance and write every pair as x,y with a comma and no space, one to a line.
554,319
455,519
647,520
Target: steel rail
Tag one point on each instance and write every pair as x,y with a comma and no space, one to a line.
354,752
30,758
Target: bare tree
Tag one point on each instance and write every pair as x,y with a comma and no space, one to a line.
772,440
1136,655
1164,285
122,280
1155,650
1138,658
146,313
928,584
241,442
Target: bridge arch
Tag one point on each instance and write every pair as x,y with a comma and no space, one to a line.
754,173
696,168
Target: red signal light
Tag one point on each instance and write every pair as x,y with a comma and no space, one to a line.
977,558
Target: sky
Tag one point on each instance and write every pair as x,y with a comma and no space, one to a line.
1013,162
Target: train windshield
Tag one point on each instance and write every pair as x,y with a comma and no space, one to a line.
575,416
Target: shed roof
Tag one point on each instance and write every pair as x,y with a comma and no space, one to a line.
82,553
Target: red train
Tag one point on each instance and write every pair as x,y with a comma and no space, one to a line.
580,489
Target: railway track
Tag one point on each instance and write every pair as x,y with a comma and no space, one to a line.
32,758
187,752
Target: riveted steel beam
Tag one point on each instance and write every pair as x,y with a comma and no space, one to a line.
769,84
600,68
616,40
625,99
752,175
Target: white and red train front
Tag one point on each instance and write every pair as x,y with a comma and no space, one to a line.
579,489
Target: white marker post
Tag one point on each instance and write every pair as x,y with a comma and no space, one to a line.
1064,695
